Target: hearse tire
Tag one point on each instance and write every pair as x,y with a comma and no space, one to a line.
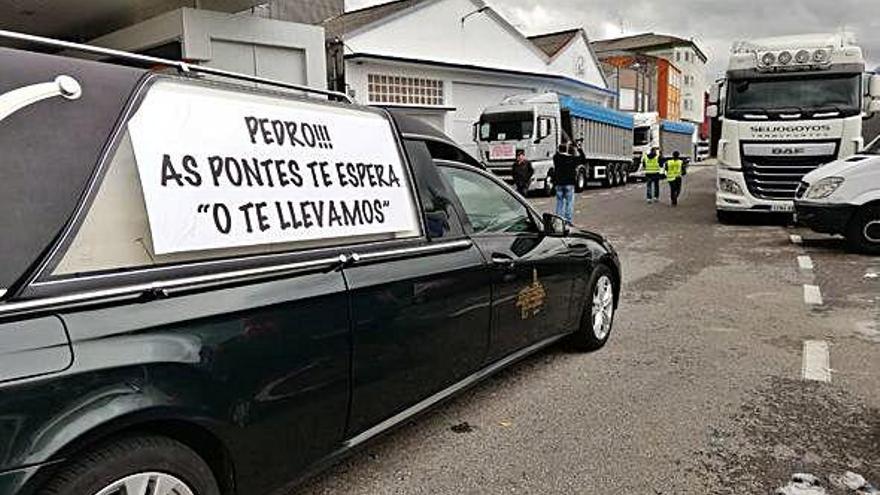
590,336
135,461
863,231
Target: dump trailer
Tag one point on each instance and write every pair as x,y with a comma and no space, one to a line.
650,131
538,124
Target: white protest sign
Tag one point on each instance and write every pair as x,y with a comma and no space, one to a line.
222,169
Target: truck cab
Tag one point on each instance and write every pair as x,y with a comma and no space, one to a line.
520,123
787,106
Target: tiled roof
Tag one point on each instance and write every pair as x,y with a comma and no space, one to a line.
551,43
646,41
350,21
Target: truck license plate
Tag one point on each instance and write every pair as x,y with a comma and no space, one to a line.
787,207
502,152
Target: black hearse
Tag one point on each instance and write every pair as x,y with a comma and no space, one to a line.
215,284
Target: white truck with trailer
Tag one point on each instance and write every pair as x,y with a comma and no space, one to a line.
843,197
539,123
650,131
787,106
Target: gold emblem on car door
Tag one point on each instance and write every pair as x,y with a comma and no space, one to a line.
530,300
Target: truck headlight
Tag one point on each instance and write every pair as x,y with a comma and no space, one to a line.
729,186
823,188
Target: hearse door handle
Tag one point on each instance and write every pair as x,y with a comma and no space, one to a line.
17,99
503,260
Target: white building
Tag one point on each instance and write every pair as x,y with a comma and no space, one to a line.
685,54
447,60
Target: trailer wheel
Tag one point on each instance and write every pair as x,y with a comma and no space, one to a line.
549,186
609,179
581,181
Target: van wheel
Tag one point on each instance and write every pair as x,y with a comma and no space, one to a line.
549,186
863,231
726,217
581,182
143,465
598,315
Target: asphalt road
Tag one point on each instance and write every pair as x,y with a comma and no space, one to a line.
700,390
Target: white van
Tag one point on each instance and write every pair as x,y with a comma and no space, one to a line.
843,197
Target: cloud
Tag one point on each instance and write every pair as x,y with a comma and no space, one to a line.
713,24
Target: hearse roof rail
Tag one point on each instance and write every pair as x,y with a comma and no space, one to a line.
178,64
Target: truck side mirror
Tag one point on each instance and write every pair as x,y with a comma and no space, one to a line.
873,106
715,94
712,111
874,86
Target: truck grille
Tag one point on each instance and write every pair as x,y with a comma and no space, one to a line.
778,177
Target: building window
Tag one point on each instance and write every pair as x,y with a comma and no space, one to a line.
403,90
678,56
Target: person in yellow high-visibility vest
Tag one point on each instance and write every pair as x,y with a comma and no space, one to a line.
674,168
653,173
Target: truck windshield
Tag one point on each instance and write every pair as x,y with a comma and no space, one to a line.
641,135
507,126
830,95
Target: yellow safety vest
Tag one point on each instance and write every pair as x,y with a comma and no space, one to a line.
652,165
673,169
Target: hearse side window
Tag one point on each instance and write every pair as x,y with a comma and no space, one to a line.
448,152
489,207
307,205
441,220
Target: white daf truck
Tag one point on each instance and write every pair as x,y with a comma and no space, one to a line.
787,106
650,131
538,123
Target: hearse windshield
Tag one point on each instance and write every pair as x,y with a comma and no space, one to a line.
507,126
827,96
642,135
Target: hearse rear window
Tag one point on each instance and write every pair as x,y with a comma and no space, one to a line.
207,172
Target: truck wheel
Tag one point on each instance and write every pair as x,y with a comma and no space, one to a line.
608,181
598,315
863,231
581,182
621,176
143,465
549,186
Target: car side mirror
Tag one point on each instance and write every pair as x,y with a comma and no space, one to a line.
555,225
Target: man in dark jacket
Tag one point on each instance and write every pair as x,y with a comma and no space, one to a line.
565,175
522,172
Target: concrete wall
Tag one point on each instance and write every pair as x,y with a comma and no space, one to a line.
242,43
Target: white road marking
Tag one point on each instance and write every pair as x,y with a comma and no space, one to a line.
812,295
805,263
817,361
796,239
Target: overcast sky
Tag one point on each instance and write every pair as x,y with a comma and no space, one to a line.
714,24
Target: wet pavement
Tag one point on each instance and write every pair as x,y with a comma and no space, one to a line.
700,390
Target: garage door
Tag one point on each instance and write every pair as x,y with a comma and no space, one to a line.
469,101
283,64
